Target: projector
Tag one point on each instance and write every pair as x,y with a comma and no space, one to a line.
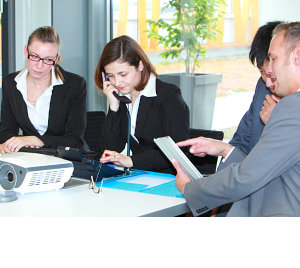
32,172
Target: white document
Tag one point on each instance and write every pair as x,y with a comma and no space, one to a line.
172,151
146,179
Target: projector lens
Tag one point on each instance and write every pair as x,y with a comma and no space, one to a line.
10,177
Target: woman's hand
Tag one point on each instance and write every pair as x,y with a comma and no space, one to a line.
3,149
108,90
116,158
14,144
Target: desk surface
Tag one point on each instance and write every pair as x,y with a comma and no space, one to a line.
80,201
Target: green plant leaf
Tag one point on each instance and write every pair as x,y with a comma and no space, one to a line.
194,21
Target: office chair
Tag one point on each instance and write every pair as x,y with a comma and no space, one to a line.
93,128
207,164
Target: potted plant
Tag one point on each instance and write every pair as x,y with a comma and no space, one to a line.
195,21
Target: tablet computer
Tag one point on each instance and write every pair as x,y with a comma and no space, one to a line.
171,150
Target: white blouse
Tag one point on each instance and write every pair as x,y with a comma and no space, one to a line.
38,115
148,91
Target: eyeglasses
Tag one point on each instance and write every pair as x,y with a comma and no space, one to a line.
37,59
96,189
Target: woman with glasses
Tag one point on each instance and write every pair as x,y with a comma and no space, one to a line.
156,108
43,101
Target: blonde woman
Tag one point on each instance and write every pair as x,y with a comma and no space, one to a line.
47,103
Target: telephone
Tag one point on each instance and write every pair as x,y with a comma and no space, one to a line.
120,98
126,101
106,76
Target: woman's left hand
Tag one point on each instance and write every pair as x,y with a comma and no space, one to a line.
116,158
14,144
4,149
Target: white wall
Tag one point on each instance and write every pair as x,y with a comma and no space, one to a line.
82,26
29,15
271,10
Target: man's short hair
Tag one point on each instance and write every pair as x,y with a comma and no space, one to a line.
291,35
261,42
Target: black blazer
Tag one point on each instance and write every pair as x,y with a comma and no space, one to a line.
164,115
67,113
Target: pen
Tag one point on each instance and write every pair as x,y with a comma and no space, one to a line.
110,165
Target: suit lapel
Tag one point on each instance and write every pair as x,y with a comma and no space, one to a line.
55,103
144,108
24,113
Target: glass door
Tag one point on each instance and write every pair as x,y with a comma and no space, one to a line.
1,46
7,37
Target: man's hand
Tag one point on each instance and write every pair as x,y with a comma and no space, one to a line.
14,144
269,104
202,146
181,178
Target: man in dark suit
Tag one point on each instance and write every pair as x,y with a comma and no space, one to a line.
266,182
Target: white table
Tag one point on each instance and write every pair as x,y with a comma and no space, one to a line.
80,201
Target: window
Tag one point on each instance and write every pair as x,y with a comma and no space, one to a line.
228,55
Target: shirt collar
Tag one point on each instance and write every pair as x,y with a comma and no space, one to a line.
22,82
150,89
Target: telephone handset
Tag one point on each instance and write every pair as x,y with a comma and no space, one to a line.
120,98
106,76
123,99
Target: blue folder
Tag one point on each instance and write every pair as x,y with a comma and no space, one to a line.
165,189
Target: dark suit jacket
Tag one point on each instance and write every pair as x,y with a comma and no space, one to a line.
164,115
251,127
67,113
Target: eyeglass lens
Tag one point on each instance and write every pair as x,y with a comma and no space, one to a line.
44,60
37,58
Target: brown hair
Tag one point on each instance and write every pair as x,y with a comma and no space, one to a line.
47,34
124,49
291,35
